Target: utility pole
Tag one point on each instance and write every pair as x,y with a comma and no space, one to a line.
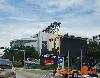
14,55
39,41
81,62
68,63
13,58
24,58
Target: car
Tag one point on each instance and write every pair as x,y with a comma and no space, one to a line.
97,66
7,69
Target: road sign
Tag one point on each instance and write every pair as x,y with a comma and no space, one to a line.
61,62
60,59
49,62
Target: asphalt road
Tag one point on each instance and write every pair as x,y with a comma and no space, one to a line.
23,74
98,75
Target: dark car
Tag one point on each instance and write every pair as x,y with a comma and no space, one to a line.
6,69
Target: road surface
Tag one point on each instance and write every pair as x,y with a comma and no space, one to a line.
98,75
23,74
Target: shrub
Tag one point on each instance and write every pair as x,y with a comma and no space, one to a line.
47,67
18,64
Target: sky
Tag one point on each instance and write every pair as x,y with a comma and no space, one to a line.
23,18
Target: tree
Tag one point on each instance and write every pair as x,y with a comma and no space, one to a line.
93,52
18,54
93,49
8,53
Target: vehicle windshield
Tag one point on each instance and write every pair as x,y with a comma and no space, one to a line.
5,64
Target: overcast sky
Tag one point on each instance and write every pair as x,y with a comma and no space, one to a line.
22,18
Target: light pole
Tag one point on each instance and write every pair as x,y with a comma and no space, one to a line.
14,55
68,63
81,62
24,56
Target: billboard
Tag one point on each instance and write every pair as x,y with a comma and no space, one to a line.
74,45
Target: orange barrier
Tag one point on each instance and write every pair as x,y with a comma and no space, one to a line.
93,71
84,70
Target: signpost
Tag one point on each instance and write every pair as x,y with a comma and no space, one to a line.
60,62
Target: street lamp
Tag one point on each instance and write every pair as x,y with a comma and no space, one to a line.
14,55
24,56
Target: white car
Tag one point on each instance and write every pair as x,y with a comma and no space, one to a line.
6,69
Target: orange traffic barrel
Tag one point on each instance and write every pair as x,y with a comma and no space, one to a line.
84,70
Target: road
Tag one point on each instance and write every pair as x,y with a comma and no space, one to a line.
98,75
23,74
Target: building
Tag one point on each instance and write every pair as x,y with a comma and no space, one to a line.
1,52
32,44
43,41
44,37
24,42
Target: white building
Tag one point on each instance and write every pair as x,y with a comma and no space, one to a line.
24,42
44,37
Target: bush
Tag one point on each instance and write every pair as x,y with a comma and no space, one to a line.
37,66
17,64
47,67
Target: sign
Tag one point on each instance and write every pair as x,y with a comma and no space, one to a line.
48,62
60,60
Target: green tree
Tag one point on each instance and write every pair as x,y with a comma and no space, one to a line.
94,49
93,52
8,53
18,53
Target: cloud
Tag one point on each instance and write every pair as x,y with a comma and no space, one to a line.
3,1
25,17
64,6
10,31
22,18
